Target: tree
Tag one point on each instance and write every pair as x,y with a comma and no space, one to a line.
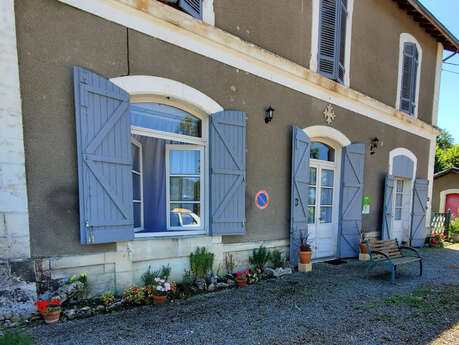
446,153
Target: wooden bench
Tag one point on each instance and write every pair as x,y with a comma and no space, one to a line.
389,253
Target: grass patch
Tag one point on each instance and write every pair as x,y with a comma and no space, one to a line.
16,338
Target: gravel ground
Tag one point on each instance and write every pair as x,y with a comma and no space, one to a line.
333,304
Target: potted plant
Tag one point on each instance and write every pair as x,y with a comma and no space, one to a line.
50,311
160,290
454,230
305,252
437,241
241,278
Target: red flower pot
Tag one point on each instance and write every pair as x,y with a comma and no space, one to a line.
159,300
305,257
363,248
241,283
52,317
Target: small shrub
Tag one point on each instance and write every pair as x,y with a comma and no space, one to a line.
187,278
135,295
277,259
201,262
454,226
107,298
149,276
16,338
230,263
260,257
83,278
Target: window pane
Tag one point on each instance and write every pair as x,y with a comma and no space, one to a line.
184,162
327,178
398,200
325,215
312,196
185,214
322,152
135,151
311,214
184,188
312,176
400,186
135,186
165,118
326,196
398,214
137,215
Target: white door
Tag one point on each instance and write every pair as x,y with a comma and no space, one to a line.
322,225
401,206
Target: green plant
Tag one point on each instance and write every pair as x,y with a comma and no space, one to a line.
187,278
277,259
454,226
135,295
107,298
242,275
149,276
16,338
201,262
83,278
260,257
304,245
230,263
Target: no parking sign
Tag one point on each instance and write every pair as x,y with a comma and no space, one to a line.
262,199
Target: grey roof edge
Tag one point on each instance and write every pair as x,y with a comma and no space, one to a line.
447,171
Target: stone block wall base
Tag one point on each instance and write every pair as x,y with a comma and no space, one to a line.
364,257
304,267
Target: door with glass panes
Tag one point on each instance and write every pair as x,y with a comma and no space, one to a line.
322,208
401,204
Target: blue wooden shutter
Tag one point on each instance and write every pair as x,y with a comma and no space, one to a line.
409,75
227,172
350,215
332,38
388,210
301,146
418,220
192,7
104,159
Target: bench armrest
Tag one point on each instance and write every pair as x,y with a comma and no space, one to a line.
380,253
411,249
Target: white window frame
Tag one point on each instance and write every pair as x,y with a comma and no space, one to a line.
408,38
140,173
313,61
177,147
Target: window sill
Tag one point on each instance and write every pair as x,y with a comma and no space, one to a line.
175,234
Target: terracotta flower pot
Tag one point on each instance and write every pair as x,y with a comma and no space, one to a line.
305,257
159,300
363,248
241,283
52,317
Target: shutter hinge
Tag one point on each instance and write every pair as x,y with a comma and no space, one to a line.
243,223
89,233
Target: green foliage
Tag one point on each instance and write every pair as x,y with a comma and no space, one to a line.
16,338
201,262
260,257
135,295
149,276
187,278
107,298
454,226
446,153
277,259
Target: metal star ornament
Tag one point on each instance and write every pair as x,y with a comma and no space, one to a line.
329,114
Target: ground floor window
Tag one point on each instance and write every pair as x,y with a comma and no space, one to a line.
168,171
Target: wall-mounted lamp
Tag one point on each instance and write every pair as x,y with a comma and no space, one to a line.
375,143
269,114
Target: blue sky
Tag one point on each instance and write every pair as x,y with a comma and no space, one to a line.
447,11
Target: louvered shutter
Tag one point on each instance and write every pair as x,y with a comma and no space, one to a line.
332,38
192,7
409,75
301,145
418,221
227,172
104,159
388,210
350,215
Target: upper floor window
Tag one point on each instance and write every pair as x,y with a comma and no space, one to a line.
192,7
408,74
333,18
